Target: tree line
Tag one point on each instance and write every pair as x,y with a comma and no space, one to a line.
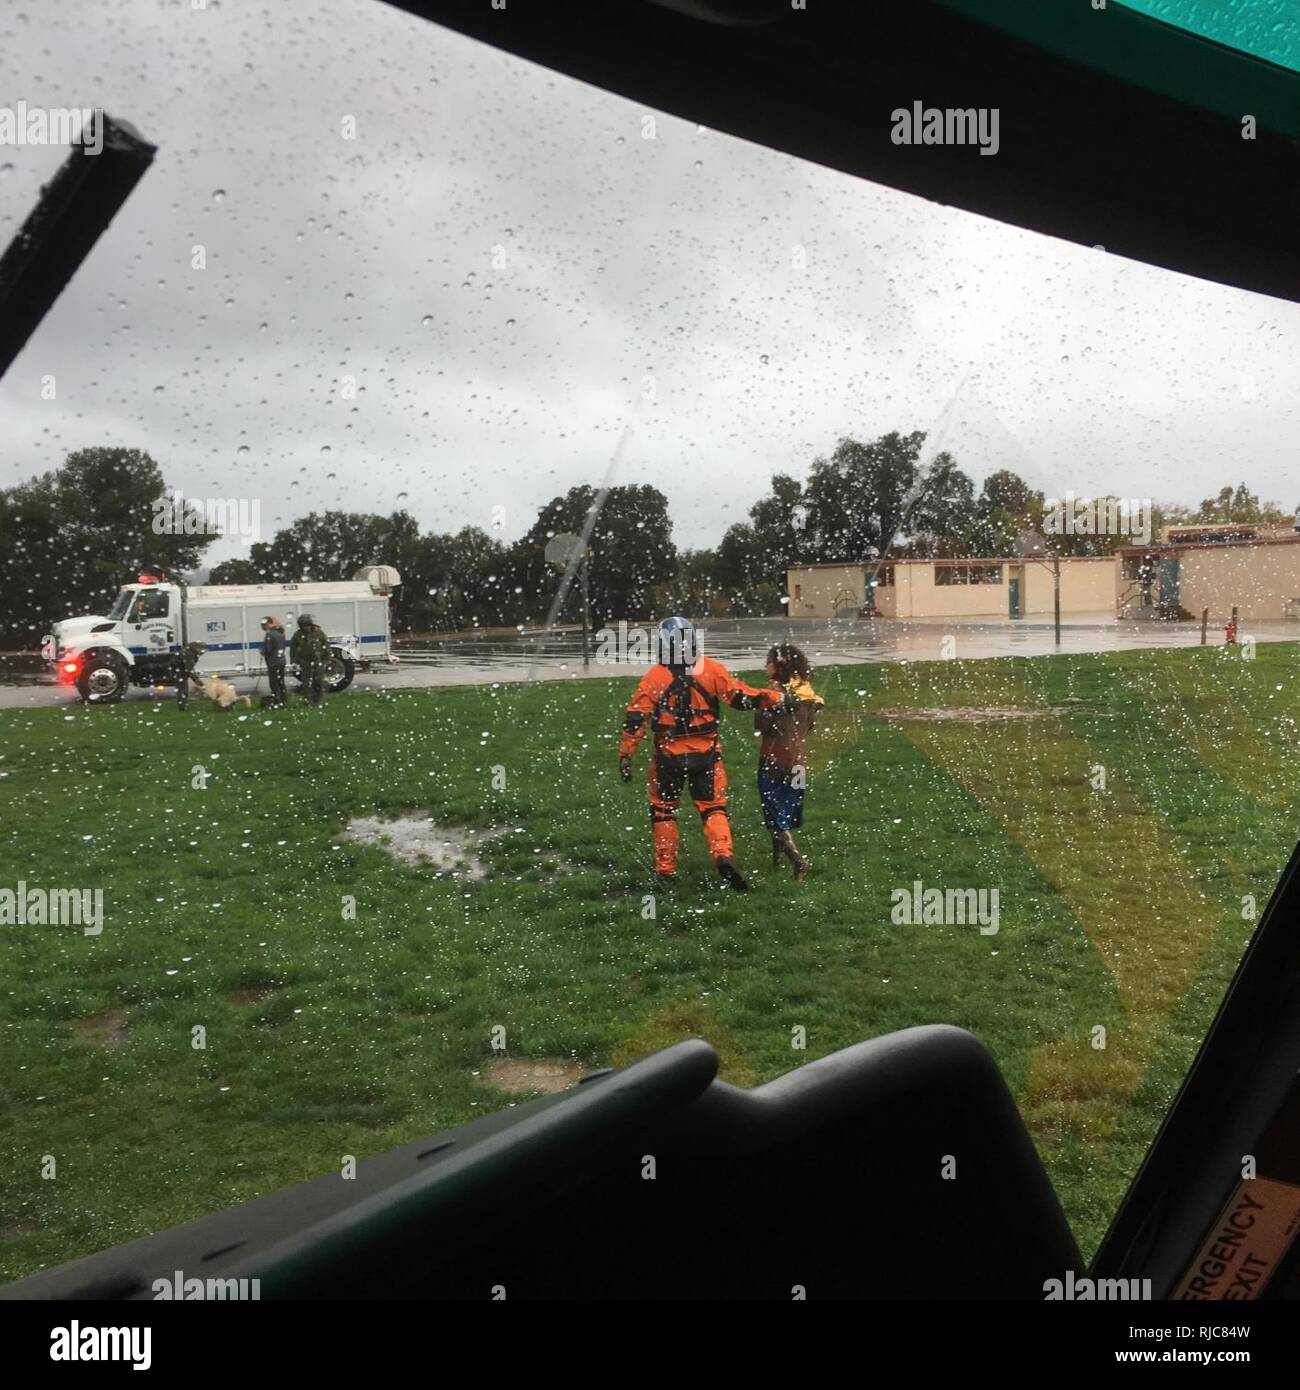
72,536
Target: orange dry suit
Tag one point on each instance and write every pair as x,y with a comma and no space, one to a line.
681,707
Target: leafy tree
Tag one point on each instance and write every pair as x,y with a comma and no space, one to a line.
1168,514
869,499
783,528
753,555
1005,492
70,538
447,581
943,520
989,534
631,551
1241,504
742,564
694,591
1005,507
459,581
860,502
323,546
1089,512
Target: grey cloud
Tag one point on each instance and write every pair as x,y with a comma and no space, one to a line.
623,256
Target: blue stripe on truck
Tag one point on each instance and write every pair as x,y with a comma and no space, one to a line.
237,646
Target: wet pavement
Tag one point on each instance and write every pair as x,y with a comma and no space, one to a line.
740,644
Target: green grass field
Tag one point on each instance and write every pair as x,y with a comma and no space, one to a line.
328,1036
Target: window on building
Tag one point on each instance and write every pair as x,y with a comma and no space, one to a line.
884,577
967,574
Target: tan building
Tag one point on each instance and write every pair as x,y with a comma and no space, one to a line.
936,589
1254,569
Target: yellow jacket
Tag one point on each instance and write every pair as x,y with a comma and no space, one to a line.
802,690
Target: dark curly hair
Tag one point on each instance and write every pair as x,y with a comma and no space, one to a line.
790,661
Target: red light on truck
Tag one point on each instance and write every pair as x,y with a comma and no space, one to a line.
147,579
69,666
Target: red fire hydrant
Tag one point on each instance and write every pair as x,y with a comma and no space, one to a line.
1230,632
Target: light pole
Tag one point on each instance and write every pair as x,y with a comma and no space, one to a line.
874,560
586,608
567,552
1031,546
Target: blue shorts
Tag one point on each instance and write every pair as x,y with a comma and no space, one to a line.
782,803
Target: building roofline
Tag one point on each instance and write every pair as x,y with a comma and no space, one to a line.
1170,547
954,560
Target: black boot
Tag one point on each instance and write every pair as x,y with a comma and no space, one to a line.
733,876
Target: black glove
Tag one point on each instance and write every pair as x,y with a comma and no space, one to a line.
625,769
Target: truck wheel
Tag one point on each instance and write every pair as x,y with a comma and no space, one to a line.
103,678
339,670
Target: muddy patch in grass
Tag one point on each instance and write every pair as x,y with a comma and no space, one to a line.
104,1030
971,714
422,842
529,1075
248,996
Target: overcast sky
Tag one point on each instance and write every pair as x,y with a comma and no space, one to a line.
514,275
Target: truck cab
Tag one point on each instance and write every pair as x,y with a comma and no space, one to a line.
137,642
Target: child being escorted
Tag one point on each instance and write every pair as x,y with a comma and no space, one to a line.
783,754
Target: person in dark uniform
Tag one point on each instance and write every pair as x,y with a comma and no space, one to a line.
273,655
309,651
187,674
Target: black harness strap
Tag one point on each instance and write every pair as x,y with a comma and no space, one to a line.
676,702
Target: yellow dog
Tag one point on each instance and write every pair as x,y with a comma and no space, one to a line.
222,693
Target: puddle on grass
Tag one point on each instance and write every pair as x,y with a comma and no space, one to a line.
971,714
525,1075
421,841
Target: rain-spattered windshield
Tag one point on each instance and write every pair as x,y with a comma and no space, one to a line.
984,546
121,603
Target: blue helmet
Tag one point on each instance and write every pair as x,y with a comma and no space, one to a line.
677,643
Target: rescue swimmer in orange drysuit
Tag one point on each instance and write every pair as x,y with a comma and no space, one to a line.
678,700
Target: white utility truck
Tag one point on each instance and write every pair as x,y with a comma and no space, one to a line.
140,641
